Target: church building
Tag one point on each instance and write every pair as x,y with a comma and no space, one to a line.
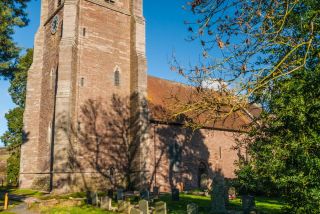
95,120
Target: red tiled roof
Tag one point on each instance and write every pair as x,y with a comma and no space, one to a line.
161,91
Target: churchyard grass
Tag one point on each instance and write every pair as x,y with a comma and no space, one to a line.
264,205
75,210
19,194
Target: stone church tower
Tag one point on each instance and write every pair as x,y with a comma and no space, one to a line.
84,50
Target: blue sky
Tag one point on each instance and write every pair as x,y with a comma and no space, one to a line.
165,31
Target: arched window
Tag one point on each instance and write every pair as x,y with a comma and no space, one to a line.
117,77
202,174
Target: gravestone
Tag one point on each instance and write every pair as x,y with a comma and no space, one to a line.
145,194
248,204
106,203
120,195
135,211
192,208
89,197
110,193
160,207
156,191
175,194
95,199
218,204
144,206
124,207
232,193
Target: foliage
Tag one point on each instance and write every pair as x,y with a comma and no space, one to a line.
247,45
14,136
286,145
269,55
12,14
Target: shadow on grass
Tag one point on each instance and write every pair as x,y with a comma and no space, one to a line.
264,205
16,196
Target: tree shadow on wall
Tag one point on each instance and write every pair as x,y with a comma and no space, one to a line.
182,157
103,146
107,148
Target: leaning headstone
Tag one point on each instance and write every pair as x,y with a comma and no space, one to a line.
120,195
135,211
192,208
144,206
106,203
160,208
124,207
175,194
218,204
248,204
145,194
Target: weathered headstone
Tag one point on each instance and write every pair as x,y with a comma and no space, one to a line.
175,194
124,207
218,204
248,204
135,211
160,207
145,194
106,203
95,199
192,208
144,206
120,195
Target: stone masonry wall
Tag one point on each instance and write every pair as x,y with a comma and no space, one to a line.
179,152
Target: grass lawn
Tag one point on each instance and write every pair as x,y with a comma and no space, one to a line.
264,205
75,210
19,193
